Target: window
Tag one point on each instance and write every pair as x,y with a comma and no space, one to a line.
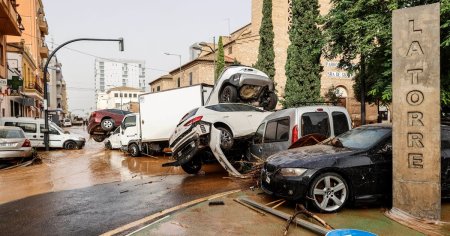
51,130
116,95
26,127
190,78
158,88
129,95
135,95
362,138
340,123
257,139
178,82
315,123
277,131
230,50
126,94
232,108
130,121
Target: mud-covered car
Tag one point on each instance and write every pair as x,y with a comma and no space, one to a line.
241,84
356,166
102,122
191,136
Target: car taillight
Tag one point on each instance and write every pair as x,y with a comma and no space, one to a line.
27,143
193,121
294,134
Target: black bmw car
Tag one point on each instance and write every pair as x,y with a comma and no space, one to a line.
356,166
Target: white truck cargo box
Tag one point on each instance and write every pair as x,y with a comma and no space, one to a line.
160,112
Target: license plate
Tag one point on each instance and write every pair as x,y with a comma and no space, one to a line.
268,179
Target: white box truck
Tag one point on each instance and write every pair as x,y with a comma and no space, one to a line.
149,130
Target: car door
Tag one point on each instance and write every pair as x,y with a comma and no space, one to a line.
381,157
115,138
128,130
256,147
232,115
276,136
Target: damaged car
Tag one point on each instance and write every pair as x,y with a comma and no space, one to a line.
102,122
242,84
356,166
190,140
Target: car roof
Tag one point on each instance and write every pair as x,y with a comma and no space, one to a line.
287,111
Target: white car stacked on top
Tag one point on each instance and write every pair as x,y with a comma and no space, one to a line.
191,136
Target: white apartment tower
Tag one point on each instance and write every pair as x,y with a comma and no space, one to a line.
112,73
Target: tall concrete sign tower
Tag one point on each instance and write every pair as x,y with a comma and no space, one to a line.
416,106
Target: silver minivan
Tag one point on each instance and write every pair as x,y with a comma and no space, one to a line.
281,129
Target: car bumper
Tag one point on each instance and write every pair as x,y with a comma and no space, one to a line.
6,154
292,188
186,152
200,129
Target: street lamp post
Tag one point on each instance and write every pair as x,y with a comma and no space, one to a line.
46,130
178,55
213,50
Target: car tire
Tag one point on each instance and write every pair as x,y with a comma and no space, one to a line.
99,138
272,101
133,149
193,166
70,145
329,192
107,124
229,94
108,145
226,139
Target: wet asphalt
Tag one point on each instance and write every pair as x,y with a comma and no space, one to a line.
92,191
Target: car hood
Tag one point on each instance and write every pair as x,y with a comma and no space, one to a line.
310,157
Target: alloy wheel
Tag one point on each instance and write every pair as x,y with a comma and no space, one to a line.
329,192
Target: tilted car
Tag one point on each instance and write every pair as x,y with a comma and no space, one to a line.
191,136
67,122
13,143
101,122
356,166
242,84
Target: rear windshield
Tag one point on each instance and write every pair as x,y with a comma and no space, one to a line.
11,134
188,115
316,123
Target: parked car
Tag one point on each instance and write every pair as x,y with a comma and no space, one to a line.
356,166
13,143
113,141
236,121
77,121
67,122
283,128
34,131
102,122
242,84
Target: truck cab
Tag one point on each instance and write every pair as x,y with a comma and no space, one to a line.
130,133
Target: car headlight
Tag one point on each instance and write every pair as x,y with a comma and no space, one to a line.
292,171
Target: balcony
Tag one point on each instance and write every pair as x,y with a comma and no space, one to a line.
43,50
9,18
43,26
34,89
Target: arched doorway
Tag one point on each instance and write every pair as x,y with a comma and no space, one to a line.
342,94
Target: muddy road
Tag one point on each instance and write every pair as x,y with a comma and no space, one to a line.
93,190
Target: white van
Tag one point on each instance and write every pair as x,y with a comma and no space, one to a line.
281,129
33,131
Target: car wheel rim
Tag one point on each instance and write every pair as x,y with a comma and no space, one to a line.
133,150
70,146
330,193
107,124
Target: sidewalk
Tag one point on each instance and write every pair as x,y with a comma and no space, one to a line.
236,219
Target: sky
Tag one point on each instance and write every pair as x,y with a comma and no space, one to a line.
149,28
